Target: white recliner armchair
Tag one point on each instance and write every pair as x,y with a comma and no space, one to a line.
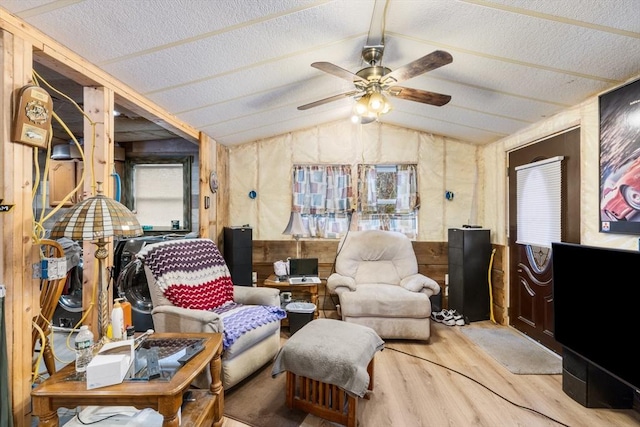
377,281
191,291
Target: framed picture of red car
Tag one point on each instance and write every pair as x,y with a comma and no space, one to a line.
620,160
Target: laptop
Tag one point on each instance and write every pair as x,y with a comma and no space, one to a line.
303,271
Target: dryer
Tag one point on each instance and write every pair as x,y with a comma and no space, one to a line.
131,282
68,313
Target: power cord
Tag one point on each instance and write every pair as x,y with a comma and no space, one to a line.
333,265
480,384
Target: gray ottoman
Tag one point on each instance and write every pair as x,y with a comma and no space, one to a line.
329,365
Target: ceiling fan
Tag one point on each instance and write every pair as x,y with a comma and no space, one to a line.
374,82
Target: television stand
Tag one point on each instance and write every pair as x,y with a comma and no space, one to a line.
592,387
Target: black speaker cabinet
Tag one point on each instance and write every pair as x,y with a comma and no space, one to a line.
592,387
238,246
469,256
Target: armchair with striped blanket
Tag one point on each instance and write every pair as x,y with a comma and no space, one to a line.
191,291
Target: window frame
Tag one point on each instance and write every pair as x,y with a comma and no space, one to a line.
129,199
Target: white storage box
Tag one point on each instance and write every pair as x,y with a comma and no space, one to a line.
111,365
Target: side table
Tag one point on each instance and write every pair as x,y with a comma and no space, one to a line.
165,397
306,290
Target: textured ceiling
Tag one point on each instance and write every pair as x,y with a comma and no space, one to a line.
238,69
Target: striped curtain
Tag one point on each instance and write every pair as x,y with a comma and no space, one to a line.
406,189
323,194
388,198
321,189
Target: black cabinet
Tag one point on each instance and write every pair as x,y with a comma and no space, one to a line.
592,387
469,256
238,246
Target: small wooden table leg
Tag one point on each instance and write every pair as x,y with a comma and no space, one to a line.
168,407
291,389
215,366
370,372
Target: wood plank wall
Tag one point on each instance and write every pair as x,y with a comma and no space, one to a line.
433,261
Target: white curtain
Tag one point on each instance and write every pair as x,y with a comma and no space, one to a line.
539,202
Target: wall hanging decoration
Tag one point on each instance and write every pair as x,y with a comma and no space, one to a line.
32,117
620,160
213,182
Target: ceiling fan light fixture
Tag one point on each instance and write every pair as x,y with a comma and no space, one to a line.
377,102
386,108
368,119
362,105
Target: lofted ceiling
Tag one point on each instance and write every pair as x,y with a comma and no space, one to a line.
238,69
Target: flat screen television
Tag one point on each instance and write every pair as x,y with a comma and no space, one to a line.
596,306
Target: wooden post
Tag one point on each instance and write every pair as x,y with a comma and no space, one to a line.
208,205
16,226
99,152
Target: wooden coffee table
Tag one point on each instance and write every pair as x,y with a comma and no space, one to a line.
164,395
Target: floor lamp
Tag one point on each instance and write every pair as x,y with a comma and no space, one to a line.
296,229
96,219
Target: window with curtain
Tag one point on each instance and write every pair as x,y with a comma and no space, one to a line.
539,199
323,195
158,190
388,198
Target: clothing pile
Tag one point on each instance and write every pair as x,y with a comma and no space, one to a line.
448,317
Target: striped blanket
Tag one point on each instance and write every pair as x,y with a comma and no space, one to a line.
239,319
193,274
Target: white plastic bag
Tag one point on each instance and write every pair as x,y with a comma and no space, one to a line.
281,268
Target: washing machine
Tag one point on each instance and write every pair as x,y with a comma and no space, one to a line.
68,313
131,282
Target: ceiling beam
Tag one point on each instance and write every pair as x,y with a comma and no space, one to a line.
57,57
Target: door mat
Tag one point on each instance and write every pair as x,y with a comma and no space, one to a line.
515,351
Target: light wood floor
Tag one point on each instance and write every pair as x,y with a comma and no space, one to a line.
411,392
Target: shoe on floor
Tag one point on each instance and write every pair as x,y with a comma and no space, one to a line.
442,316
448,318
458,319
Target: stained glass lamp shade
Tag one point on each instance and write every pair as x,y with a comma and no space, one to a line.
96,219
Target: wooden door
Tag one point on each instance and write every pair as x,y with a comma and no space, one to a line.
530,283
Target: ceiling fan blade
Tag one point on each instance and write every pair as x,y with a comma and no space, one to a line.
329,99
435,59
330,68
419,95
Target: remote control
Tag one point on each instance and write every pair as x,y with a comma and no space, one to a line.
191,351
153,366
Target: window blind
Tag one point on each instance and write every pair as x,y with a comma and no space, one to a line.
539,202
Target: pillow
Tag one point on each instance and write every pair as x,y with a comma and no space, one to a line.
191,273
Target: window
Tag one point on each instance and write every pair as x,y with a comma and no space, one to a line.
158,191
539,189
388,198
323,195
